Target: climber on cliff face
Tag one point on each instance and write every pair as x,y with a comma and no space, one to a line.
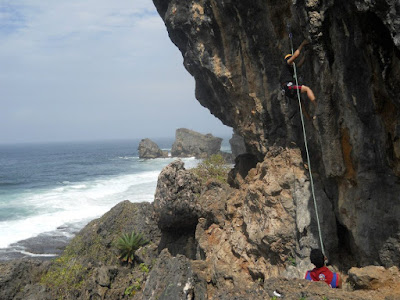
287,76
321,272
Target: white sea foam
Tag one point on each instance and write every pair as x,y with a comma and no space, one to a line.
37,255
80,202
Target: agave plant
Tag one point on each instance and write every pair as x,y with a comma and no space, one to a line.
128,244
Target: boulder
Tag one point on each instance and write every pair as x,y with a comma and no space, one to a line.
175,200
373,277
190,143
149,149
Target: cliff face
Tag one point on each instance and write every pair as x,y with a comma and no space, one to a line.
234,49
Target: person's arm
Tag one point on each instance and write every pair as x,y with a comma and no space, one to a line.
301,62
297,52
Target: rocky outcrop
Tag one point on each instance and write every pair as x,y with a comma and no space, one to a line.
208,241
19,278
190,143
234,50
149,149
237,145
374,277
89,267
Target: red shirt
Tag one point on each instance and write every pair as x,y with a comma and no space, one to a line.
323,274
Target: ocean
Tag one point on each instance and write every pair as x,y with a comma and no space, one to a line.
48,192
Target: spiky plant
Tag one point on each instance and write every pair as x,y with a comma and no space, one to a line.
128,244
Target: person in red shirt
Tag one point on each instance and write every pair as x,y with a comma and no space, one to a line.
321,272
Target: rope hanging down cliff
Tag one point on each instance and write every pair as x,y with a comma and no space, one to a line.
306,147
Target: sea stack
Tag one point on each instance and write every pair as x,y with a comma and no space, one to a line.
149,149
191,143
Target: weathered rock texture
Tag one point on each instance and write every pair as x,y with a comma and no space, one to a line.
207,241
149,149
219,242
191,143
373,277
234,50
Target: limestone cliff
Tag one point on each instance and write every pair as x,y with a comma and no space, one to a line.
234,49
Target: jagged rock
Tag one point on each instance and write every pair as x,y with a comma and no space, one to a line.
243,164
104,275
173,278
17,279
234,49
101,234
175,200
149,149
191,143
237,145
255,225
373,277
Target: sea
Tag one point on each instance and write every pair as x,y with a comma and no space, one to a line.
49,191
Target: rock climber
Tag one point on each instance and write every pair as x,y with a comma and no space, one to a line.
321,272
287,76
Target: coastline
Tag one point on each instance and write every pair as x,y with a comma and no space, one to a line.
44,246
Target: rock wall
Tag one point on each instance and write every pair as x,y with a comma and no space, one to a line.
234,50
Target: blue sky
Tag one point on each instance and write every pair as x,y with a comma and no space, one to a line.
90,70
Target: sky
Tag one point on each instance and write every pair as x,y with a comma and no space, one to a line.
77,70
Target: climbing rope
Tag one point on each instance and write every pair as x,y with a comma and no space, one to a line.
306,147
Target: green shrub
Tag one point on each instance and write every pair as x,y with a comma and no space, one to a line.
144,268
292,261
128,244
131,290
213,167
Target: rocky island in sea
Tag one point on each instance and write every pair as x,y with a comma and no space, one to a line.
250,237
190,143
149,149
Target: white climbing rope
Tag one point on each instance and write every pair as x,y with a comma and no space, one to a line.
308,155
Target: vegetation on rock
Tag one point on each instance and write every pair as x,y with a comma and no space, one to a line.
213,167
66,274
128,244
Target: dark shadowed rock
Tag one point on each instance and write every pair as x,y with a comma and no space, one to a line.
243,164
191,143
149,149
176,196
